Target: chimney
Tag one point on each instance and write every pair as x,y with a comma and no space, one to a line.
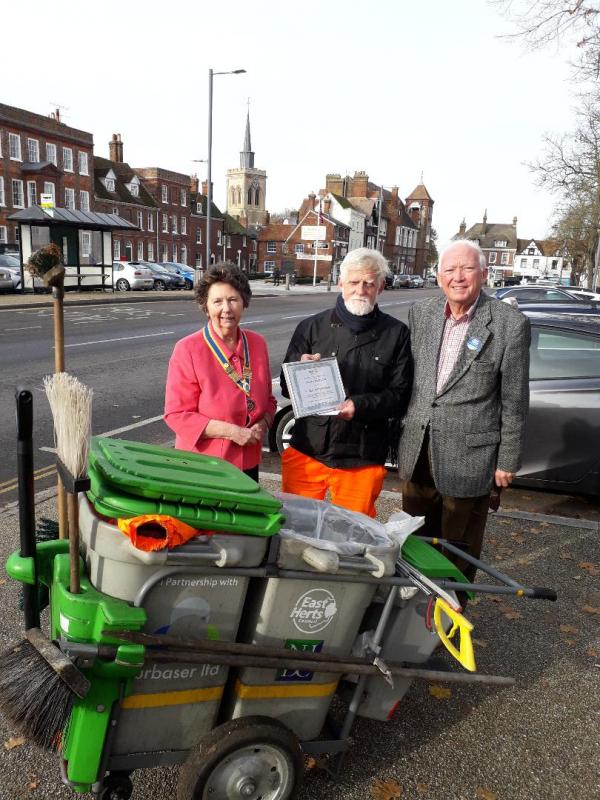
327,206
484,224
194,184
359,184
205,188
394,192
115,148
463,228
334,183
515,223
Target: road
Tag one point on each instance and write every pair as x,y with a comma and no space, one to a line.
121,351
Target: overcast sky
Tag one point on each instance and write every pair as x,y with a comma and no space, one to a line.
391,87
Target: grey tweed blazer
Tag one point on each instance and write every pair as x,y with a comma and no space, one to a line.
477,421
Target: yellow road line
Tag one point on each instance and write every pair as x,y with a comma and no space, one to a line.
270,692
158,699
9,486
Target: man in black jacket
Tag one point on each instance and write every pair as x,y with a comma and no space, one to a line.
346,453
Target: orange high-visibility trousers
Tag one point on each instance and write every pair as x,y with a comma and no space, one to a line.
355,488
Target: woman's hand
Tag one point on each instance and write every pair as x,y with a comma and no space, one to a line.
310,357
260,428
244,436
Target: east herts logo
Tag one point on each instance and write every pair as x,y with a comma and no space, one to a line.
314,610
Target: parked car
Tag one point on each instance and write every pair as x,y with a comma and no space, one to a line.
11,263
389,281
129,275
585,294
562,440
537,293
187,273
6,280
164,280
416,282
401,280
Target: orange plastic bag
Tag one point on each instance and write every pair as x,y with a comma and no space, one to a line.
157,531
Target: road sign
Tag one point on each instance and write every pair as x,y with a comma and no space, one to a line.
313,233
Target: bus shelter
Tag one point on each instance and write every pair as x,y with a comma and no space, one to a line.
84,238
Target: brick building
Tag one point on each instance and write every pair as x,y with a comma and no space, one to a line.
419,206
118,189
41,155
498,240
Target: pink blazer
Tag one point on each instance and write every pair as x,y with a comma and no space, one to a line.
198,390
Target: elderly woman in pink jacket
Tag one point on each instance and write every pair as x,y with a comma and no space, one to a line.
219,398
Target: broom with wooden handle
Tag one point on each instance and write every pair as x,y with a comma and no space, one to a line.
71,404
38,683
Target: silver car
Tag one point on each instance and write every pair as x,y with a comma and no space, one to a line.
562,439
129,275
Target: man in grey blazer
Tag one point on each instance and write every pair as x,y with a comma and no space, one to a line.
464,427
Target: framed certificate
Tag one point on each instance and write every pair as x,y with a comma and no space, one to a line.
315,387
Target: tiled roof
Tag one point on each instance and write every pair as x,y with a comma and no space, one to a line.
123,175
233,226
215,212
343,201
419,193
494,231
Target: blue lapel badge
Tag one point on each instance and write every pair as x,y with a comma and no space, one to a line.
474,344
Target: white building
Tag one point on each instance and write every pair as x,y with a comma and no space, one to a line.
537,259
342,210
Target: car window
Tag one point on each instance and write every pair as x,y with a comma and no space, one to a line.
563,354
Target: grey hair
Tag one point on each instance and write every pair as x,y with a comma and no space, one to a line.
365,258
466,243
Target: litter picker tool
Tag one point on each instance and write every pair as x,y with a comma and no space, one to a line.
38,683
71,404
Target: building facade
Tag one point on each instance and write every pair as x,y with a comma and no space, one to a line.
498,240
247,188
41,156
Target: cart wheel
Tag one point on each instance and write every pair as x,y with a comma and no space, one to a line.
117,786
252,758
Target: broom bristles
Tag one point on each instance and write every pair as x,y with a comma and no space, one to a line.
71,405
33,697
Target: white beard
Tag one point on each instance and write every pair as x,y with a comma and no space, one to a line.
359,307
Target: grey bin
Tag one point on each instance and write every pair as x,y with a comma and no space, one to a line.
172,705
308,614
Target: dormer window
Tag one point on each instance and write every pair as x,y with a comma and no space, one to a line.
110,184
134,186
500,243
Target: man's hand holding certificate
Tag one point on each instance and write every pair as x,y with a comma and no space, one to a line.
315,386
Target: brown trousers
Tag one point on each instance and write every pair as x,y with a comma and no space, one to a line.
460,520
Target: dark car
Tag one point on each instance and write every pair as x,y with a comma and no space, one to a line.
185,272
538,294
562,440
162,279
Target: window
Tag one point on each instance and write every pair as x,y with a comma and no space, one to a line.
150,251
86,243
500,243
198,236
51,154
134,189
271,247
150,221
228,241
563,354
250,196
397,235
269,266
69,198
198,208
2,195
31,193
14,146
183,254
175,253
174,223
504,258
184,225
110,184
3,238
115,211
68,160
554,264
17,233
49,189
140,220
536,263
84,200
116,249
298,248
257,196
183,197
33,150
523,263
243,241
219,236
165,252
491,258
83,163
17,194
165,226
530,251
140,251
199,262
164,193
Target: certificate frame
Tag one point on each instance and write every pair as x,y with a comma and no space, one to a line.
315,387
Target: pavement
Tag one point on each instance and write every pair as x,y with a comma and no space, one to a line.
535,741
40,300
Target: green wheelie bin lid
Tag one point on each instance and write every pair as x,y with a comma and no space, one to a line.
112,502
430,561
162,473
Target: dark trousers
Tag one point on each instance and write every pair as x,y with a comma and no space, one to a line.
252,473
460,520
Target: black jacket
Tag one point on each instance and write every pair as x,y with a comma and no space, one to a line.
376,369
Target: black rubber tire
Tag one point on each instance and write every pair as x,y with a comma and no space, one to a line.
281,432
160,286
225,740
189,284
117,786
122,285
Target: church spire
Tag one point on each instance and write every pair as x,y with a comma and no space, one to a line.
247,156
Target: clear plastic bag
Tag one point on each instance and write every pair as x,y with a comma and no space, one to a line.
400,525
329,527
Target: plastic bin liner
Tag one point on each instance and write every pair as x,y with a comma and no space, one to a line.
329,527
400,525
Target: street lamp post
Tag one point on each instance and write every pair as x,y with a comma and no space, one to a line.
209,168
